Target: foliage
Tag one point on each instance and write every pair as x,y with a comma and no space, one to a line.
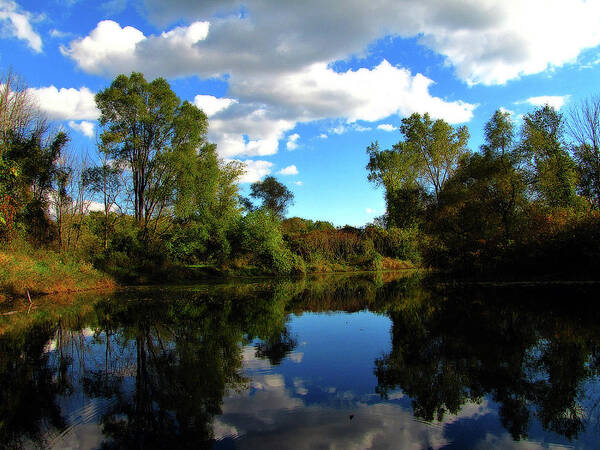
274,195
148,128
417,166
552,169
26,269
259,233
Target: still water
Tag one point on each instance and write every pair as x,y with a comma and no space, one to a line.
334,362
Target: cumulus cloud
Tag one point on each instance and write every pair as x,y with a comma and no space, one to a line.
556,101
254,170
273,92
386,127
66,104
292,143
319,92
298,183
489,42
277,60
110,49
289,170
212,105
84,127
248,130
17,23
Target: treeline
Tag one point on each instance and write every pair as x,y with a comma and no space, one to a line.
153,202
526,204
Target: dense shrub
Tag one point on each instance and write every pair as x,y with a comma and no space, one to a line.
259,234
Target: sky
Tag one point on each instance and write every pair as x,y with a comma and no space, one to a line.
299,89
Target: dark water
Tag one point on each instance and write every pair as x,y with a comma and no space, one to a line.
335,362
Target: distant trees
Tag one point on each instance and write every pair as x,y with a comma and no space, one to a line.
512,204
274,195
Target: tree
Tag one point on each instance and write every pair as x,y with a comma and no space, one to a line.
583,126
437,147
148,128
552,170
105,180
416,167
274,195
18,116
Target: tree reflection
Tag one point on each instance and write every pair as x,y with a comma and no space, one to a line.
465,345
27,396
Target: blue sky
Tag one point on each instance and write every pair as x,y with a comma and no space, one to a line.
300,89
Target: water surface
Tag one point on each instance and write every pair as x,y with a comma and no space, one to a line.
332,362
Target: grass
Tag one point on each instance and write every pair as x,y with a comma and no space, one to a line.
40,271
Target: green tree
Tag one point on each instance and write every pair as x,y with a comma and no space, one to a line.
147,127
417,167
105,180
18,119
552,170
274,195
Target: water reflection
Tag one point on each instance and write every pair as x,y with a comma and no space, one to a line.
307,363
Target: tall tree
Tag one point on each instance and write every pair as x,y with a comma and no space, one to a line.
147,127
552,170
417,167
105,180
583,125
437,145
18,117
274,195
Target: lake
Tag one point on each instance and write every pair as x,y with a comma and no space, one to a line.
363,361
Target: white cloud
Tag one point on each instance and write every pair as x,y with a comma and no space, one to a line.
84,127
66,104
319,92
273,92
110,50
505,110
298,183
212,105
556,101
16,22
489,42
58,34
289,170
386,127
323,136
277,61
360,128
255,170
370,211
242,130
292,143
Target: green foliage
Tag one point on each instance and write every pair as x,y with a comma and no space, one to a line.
417,167
146,126
552,169
24,268
400,243
259,233
274,195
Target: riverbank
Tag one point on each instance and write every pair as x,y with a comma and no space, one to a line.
24,269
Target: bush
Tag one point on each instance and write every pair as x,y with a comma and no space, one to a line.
259,234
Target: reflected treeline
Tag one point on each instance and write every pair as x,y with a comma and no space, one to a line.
465,343
156,363
162,360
